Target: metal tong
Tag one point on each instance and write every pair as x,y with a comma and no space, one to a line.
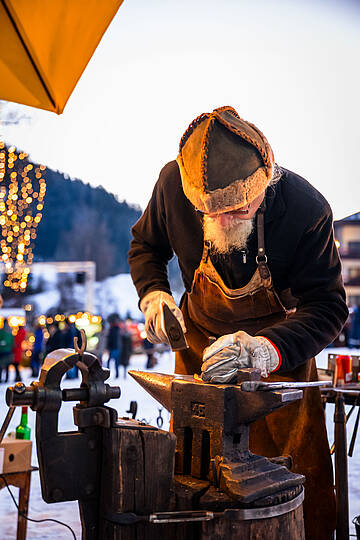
254,386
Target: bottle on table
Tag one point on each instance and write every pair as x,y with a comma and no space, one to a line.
23,431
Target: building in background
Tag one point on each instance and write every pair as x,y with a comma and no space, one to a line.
347,234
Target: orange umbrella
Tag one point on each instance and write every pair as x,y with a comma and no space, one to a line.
45,46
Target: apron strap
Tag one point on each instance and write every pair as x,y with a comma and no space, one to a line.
261,257
206,251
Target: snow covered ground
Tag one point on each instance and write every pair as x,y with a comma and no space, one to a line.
148,409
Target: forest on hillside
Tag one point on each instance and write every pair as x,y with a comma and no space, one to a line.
81,222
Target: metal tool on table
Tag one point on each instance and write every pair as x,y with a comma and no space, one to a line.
173,330
347,393
347,417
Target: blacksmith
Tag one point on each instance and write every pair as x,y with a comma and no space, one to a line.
262,274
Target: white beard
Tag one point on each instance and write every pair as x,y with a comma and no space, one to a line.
225,239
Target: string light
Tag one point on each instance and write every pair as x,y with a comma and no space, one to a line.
80,317
22,192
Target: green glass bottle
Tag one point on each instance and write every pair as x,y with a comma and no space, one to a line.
23,431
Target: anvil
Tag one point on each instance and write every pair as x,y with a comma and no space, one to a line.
211,423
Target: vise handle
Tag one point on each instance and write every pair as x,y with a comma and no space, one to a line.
179,516
21,395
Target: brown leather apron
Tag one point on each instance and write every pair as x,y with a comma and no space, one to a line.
212,309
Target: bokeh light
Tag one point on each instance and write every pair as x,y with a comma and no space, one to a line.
22,192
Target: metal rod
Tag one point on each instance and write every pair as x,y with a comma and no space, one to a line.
353,438
341,471
332,449
253,386
6,422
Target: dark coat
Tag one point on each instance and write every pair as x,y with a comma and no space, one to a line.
69,334
6,347
55,341
299,243
114,338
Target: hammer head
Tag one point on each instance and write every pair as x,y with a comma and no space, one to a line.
174,332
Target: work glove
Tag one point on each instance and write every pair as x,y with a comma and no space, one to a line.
151,306
226,355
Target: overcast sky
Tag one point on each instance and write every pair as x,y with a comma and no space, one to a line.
292,68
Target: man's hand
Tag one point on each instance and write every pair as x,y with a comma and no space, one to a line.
233,351
151,306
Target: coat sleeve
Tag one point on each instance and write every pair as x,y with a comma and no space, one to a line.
150,249
315,279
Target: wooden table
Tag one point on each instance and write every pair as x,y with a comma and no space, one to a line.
21,480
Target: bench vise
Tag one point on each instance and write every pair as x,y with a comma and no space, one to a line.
70,462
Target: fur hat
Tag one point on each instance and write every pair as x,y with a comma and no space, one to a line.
225,162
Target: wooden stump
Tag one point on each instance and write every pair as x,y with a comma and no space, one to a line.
137,475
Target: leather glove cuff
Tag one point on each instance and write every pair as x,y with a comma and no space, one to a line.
151,306
264,355
155,296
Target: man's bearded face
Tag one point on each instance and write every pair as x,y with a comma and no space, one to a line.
227,237
230,231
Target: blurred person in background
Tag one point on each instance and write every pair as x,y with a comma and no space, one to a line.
102,341
36,355
126,345
6,350
18,350
114,342
149,351
69,333
55,339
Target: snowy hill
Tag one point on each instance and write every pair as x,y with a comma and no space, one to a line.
117,294
114,294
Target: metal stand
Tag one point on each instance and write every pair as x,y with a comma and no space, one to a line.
341,471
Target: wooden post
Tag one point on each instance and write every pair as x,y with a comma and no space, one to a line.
24,494
137,476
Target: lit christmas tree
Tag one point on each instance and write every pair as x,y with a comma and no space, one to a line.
22,191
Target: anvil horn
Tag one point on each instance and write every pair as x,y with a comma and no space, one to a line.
157,384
